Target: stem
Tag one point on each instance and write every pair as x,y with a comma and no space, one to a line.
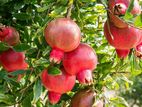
70,6
108,26
22,90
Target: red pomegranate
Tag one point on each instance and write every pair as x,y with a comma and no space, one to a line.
118,8
57,85
81,62
63,35
12,60
122,53
9,35
121,38
83,98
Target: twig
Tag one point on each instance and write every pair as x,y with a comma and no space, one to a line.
70,6
31,83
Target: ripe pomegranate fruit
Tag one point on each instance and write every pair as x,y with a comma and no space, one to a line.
83,98
57,85
122,53
81,62
9,35
12,60
63,35
121,38
118,8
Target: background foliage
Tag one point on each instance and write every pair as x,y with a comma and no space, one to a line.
30,17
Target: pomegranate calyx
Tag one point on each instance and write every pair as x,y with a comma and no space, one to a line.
85,77
122,53
56,55
54,97
120,9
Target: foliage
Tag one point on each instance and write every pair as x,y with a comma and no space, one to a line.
30,17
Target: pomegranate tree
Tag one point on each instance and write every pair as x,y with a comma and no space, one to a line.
81,62
122,53
57,84
118,8
121,38
85,98
12,60
9,35
63,35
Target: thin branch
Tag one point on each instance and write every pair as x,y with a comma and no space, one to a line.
22,90
70,6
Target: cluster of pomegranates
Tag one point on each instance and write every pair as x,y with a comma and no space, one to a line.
78,59
120,34
10,59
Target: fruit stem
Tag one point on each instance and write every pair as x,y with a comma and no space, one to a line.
108,26
70,6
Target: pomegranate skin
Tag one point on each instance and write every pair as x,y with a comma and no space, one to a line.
59,83
80,59
83,98
12,60
121,38
122,53
9,35
62,35
119,7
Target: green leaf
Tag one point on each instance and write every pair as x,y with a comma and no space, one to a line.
54,70
22,16
138,21
15,73
37,91
3,46
130,6
128,14
7,99
21,47
27,101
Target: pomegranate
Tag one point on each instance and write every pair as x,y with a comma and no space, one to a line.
12,61
57,85
9,35
121,38
83,98
122,53
63,35
81,62
118,8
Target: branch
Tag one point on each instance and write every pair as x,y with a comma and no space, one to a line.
70,6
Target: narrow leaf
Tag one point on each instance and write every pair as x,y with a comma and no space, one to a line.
54,71
37,90
15,73
21,47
